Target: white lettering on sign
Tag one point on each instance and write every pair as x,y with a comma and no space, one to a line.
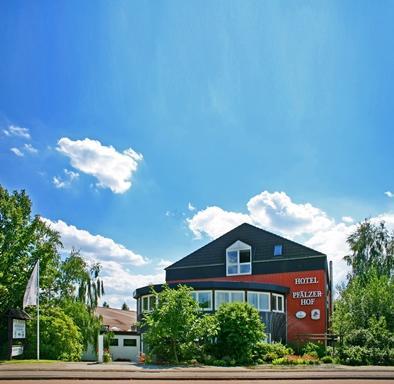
307,301
306,280
304,294
17,350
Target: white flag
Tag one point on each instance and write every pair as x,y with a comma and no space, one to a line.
30,296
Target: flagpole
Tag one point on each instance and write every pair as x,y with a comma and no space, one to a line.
38,310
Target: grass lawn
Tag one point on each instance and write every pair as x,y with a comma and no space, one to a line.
32,361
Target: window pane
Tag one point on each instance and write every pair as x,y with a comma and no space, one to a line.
244,256
232,269
253,299
232,257
221,297
237,296
129,342
278,250
264,301
194,295
244,268
205,299
280,303
114,342
145,303
152,302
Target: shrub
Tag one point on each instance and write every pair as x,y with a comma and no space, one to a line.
239,329
315,348
354,355
267,352
327,360
294,360
107,358
60,338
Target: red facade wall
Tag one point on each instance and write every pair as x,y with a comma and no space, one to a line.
295,327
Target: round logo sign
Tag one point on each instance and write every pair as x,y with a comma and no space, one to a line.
300,314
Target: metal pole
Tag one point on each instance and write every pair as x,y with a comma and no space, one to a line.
38,310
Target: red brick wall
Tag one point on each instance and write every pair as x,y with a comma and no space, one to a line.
294,326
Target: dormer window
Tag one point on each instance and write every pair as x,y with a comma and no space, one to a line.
239,259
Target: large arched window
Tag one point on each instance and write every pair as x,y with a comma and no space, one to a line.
239,259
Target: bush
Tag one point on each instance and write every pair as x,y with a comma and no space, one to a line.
354,355
239,329
107,358
60,338
327,360
317,349
266,352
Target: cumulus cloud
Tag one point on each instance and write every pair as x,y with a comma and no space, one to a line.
17,152
214,221
389,194
112,169
120,282
94,247
67,180
14,130
347,219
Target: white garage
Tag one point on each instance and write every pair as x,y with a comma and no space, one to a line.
124,347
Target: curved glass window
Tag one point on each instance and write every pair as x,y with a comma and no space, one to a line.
222,297
204,299
260,300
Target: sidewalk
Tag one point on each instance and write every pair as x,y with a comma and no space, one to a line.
124,370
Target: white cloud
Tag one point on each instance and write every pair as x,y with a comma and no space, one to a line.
214,221
17,152
278,212
190,207
94,247
13,130
68,179
29,148
111,168
347,219
389,194
163,264
119,283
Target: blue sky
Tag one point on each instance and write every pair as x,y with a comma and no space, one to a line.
114,116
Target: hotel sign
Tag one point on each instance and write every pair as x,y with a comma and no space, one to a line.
18,329
308,297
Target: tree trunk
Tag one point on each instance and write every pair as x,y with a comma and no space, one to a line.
174,350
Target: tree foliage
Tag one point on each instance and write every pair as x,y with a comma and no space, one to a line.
364,312
71,286
174,326
240,329
60,337
372,246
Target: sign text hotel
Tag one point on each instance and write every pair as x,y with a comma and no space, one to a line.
307,297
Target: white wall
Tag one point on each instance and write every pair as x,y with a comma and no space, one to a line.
122,352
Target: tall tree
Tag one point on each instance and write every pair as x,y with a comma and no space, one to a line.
23,240
371,246
125,307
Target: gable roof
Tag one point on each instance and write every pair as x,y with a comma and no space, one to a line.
261,241
117,319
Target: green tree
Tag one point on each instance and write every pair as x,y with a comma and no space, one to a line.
78,280
371,246
60,338
240,329
125,307
364,298
23,241
174,326
105,304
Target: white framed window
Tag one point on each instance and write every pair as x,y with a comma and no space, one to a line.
239,259
278,303
148,303
222,297
204,299
260,300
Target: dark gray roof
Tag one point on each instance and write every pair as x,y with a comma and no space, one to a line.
261,241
